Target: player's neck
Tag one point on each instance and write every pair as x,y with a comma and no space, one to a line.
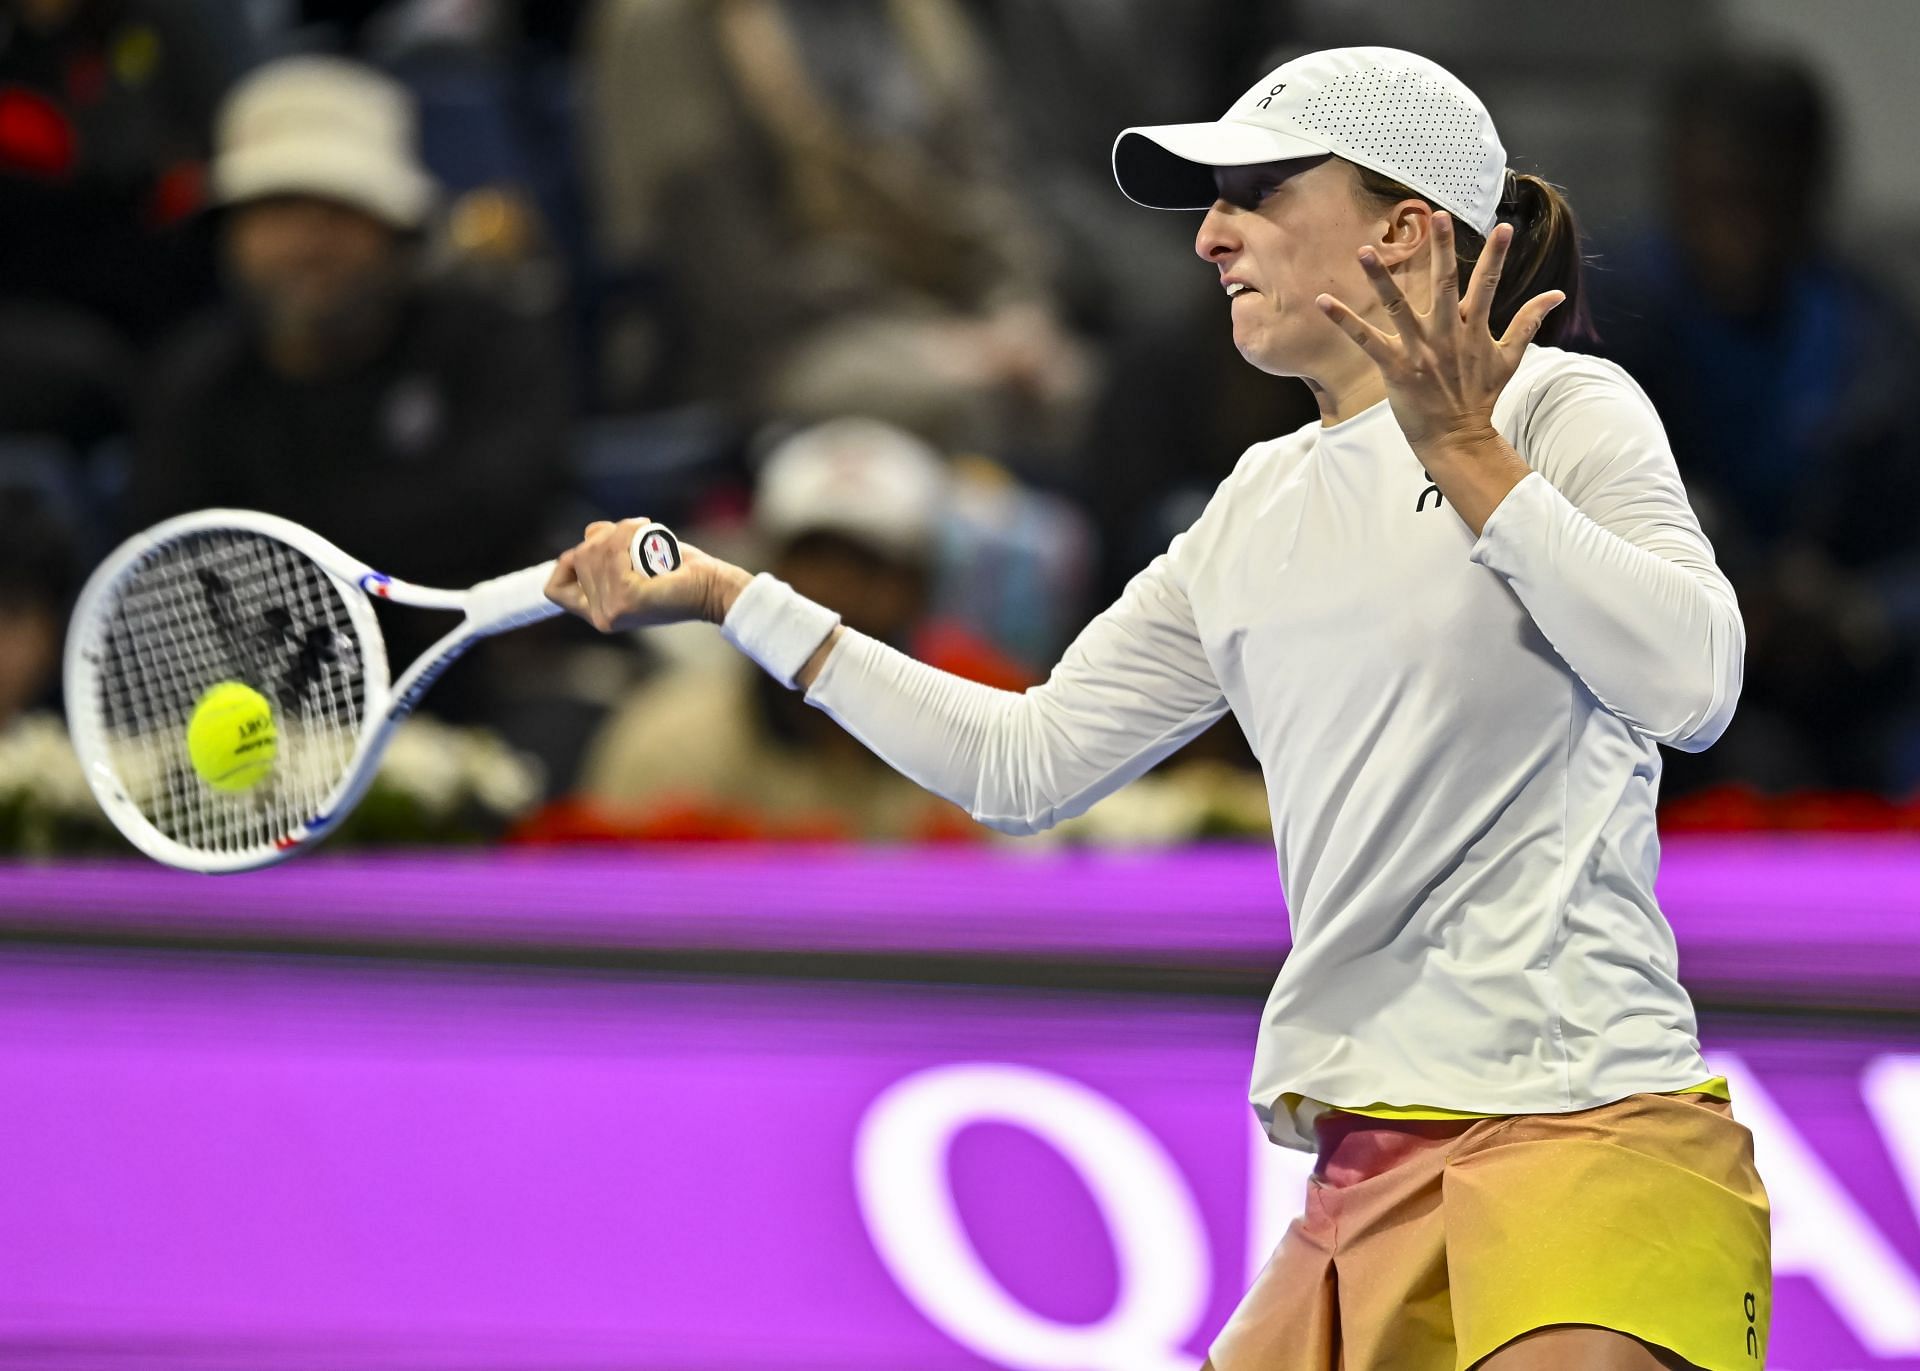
1349,396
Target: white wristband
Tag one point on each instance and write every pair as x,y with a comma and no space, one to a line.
777,626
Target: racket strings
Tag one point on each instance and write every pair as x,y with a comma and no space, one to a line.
229,606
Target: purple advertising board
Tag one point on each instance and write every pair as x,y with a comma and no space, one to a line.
263,1159
1770,919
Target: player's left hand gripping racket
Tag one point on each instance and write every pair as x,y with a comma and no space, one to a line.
223,596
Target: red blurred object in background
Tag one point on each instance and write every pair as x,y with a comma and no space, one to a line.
1730,808
36,137
1741,808
180,191
585,822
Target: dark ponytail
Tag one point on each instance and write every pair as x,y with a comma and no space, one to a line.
1545,254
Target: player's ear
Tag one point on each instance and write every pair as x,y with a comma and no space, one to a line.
1406,232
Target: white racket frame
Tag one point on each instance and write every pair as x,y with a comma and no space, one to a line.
488,607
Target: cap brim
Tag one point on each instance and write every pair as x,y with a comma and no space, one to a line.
396,192
1170,166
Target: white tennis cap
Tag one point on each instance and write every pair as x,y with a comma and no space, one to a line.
327,127
1390,111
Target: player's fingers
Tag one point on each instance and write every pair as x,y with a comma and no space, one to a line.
572,599
563,587
605,548
1527,321
1398,307
1446,277
1369,339
1484,283
605,535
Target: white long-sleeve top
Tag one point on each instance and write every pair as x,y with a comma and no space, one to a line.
1458,737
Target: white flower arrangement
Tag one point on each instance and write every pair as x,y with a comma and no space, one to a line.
37,765
442,768
437,783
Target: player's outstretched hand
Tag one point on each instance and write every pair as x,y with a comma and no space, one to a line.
596,580
1444,368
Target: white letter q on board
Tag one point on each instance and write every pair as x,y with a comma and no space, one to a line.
901,1176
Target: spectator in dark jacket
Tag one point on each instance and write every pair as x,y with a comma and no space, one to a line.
420,426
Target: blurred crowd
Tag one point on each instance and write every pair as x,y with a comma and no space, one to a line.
841,289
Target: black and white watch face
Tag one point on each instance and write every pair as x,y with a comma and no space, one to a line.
659,552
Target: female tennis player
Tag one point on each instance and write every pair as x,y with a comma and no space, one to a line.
1455,618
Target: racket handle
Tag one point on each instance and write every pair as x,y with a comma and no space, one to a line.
654,550
511,601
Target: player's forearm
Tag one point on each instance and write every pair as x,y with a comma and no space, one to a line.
936,729
1016,762
1657,640
967,742
1131,689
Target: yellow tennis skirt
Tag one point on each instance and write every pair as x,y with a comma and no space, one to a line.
1426,1245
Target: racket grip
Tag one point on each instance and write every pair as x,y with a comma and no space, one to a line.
511,601
654,551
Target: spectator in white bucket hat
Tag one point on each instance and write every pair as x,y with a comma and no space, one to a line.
327,128
323,202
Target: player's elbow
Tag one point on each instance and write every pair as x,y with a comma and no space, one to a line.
1029,783
1702,696
1692,736
1017,826
1020,816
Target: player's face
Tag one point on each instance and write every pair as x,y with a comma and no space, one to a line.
307,261
1280,234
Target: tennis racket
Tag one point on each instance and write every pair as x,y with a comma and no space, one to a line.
227,595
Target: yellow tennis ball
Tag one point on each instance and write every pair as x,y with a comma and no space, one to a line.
231,737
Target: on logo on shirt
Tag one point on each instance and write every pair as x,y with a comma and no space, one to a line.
1433,490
